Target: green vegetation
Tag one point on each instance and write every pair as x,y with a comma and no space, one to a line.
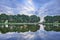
13,20
51,27
52,19
52,23
19,28
19,18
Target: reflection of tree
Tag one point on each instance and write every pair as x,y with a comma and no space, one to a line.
19,28
34,28
51,27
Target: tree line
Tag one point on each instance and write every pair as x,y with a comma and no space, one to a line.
19,18
55,23
52,19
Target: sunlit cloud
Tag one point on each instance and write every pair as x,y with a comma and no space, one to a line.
28,7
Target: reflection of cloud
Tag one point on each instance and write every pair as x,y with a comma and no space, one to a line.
28,35
39,35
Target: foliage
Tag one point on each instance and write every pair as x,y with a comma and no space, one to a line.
19,28
52,23
52,19
19,18
51,27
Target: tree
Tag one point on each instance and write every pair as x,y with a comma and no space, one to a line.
34,18
48,19
3,17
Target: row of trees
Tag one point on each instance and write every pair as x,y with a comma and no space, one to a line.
52,19
19,18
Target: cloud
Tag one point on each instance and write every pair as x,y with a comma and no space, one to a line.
50,8
27,8
6,9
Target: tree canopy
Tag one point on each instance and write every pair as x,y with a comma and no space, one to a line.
52,19
19,18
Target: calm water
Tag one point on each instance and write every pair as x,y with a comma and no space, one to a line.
41,34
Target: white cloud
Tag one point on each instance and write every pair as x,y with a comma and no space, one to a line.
26,8
6,10
50,8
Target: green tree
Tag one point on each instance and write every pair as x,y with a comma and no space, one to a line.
34,18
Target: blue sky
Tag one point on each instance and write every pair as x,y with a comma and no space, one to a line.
30,7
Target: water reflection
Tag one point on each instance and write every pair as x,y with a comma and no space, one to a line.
40,34
19,28
42,27
52,27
